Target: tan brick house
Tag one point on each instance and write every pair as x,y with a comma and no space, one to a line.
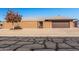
50,22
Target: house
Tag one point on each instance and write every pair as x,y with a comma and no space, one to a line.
49,22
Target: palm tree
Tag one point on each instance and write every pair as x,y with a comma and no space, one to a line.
13,18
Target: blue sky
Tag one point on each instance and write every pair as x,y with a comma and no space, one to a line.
46,12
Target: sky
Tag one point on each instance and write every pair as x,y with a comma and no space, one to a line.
41,12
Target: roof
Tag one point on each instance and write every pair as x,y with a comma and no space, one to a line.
34,19
48,18
59,17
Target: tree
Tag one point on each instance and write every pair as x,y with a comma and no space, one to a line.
13,18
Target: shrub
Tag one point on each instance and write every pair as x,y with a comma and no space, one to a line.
17,27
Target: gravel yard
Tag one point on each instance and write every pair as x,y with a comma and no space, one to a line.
50,32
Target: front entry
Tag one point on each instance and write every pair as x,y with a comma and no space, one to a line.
40,24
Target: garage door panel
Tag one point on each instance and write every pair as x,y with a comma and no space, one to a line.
61,25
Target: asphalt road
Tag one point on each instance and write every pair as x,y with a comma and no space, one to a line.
39,43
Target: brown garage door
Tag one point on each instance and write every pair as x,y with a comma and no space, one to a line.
60,25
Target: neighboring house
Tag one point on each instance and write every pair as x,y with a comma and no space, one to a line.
77,23
53,22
